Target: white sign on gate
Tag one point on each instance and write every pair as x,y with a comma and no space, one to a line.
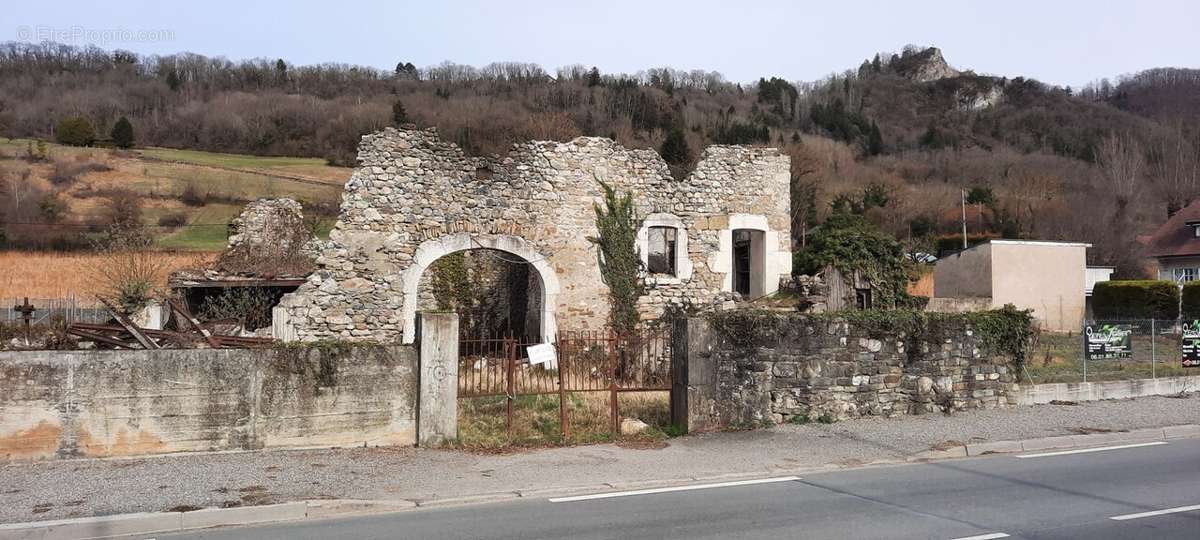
543,354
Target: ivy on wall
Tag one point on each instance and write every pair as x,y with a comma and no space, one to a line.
1002,332
620,266
852,244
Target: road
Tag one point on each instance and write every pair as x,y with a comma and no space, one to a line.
1154,490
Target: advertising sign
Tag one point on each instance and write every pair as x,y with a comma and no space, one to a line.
1190,346
1107,341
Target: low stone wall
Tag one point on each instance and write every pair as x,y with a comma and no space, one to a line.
113,403
817,366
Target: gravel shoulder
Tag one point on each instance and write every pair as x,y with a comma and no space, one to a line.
61,489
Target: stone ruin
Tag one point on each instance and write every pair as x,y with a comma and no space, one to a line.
415,198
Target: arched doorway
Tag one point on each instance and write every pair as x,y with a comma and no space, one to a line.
518,251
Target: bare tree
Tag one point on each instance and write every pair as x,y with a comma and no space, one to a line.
1122,163
1174,169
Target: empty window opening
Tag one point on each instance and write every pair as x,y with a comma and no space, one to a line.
662,243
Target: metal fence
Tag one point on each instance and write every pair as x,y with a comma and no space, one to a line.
598,363
70,308
1115,349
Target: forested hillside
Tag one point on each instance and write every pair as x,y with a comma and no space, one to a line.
896,138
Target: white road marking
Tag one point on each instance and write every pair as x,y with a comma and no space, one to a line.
989,536
1157,513
673,489
1088,450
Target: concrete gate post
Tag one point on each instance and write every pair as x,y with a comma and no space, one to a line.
437,409
694,376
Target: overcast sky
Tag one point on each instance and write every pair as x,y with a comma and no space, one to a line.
1060,42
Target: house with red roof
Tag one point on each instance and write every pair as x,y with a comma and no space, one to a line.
1175,246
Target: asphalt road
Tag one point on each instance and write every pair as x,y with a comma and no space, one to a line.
1072,495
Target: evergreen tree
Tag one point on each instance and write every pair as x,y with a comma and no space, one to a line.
122,133
173,81
281,74
675,150
594,77
399,114
877,64
874,140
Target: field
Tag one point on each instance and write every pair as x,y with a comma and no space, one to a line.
1059,358
61,275
220,185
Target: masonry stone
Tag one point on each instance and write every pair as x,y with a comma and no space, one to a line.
415,198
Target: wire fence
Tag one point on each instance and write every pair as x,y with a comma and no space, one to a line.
70,308
1116,349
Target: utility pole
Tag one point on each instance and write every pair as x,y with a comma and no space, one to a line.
963,193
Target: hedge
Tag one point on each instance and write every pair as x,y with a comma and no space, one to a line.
1190,307
1135,299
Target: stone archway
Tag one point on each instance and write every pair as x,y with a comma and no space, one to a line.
432,250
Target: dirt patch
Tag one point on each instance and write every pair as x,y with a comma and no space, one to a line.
947,445
642,443
184,508
42,508
1094,430
1063,402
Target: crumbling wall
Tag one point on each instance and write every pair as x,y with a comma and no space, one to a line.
415,198
785,366
270,237
113,403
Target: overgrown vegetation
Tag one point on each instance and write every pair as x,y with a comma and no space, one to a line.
620,266
849,243
1004,332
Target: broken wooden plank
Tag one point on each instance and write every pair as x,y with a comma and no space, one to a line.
130,327
183,312
99,338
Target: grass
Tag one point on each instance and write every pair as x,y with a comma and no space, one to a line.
162,175
309,167
206,231
481,421
59,275
1059,358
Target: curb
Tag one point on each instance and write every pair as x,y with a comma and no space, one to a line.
1076,441
170,522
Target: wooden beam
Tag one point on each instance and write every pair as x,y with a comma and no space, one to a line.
183,312
91,336
130,327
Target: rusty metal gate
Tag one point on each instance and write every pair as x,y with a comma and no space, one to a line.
587,361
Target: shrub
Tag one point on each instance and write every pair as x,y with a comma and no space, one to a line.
1190,306
66,173
75,131
191,196
1135,299
172,220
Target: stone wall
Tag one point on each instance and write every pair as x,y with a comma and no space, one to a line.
415,198
113,403
816,366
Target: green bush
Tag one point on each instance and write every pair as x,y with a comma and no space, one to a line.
1190,308
1135,299
75,131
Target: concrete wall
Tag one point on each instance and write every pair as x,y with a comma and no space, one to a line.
966,274
1038,394
1047,277
114,403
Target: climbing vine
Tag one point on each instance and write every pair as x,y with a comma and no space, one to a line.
1003,332
620,266
849,243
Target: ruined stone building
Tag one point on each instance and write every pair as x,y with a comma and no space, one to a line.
415,199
